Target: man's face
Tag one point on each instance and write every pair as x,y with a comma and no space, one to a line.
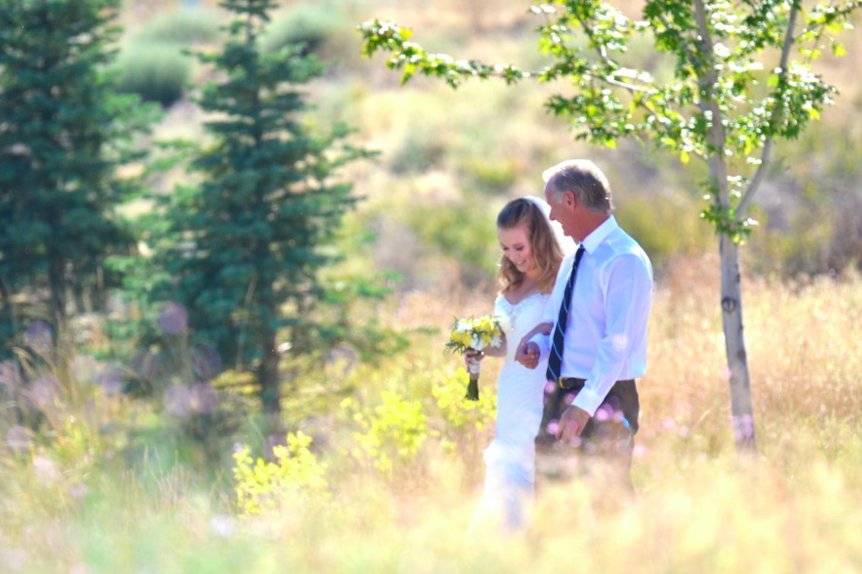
561,210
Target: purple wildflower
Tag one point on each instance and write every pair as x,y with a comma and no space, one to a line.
173,319
38,337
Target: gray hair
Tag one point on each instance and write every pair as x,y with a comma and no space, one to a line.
583,178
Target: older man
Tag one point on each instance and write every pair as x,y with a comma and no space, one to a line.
597,329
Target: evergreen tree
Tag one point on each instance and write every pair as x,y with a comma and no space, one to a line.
63,133
249,239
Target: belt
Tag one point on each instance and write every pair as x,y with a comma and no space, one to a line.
570,383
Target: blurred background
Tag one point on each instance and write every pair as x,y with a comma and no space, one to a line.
451,157
143,449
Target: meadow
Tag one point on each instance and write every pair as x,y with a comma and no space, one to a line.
387,480
381,466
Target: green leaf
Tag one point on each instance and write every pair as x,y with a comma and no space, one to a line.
838,50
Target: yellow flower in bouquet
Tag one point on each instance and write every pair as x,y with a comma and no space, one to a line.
475,334
460,339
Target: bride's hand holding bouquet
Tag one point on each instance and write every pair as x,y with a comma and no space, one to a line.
474,337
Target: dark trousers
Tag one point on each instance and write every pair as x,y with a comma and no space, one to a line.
606,441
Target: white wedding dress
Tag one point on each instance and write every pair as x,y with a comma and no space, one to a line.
510,458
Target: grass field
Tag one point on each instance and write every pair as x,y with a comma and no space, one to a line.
390,480
86,496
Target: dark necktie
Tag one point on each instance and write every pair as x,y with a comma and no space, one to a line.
555,361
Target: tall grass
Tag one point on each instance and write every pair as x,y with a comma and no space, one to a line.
697,507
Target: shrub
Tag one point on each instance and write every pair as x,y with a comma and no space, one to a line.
182,28
464,231
153,65
321,30
413,406
155,72
263,486
665,227
490,176
393,431
418,153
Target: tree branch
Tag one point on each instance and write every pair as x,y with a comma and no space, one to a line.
707,78
688,53
626,86
789,38
603,55
839,13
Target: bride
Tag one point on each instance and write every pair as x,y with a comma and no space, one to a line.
532,248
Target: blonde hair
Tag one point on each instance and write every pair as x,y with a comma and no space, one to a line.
546,252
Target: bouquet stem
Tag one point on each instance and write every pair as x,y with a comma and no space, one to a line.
473,388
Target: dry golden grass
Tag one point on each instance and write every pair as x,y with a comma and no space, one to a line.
698,507
70,505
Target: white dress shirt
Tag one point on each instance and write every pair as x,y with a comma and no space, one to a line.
606,332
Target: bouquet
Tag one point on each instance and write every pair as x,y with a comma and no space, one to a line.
474,334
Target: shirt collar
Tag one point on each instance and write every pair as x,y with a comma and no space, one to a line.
599,234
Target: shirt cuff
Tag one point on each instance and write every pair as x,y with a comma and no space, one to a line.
588,400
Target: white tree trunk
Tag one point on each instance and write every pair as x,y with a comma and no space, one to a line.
731,296
742,417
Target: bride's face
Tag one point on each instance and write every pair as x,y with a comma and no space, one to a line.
515,243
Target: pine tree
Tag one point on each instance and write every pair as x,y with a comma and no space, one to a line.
250,238
63,133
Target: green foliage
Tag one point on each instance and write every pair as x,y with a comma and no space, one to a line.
461,418
185,27
157,73
802,252
461,230
244,249
393,432
727,223
411,405
715,105
412,58
263,486
153,63
64,131
317,29
418,153
489,176
664,227
351,318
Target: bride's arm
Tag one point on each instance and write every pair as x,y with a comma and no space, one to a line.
544,328
499,351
